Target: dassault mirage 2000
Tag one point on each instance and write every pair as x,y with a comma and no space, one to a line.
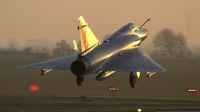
118,52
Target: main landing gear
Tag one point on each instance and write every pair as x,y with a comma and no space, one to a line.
80,80
133,80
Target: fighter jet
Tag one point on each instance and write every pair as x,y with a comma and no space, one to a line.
118,52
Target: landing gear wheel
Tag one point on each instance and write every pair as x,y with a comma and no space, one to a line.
133,80
80,80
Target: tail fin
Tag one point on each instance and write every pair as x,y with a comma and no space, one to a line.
87,37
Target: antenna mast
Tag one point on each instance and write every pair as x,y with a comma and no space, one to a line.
145,22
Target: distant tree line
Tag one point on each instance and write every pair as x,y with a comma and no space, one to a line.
170,45
63,48
60,49
167,44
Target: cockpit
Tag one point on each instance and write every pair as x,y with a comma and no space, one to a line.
129,28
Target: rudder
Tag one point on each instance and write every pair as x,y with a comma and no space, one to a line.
87,37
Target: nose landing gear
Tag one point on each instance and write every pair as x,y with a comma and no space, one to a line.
80,80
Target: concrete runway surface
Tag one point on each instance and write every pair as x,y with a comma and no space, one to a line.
53,103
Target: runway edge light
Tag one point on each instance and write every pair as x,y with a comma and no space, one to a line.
112,89
192,90
139,110
34,88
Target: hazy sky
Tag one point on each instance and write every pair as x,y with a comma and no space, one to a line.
23,20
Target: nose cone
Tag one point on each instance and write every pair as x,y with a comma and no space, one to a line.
143,34
146,32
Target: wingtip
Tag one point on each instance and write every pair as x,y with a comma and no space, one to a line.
163,70
25,67
22,67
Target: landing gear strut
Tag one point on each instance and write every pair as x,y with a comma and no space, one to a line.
80,80
132,80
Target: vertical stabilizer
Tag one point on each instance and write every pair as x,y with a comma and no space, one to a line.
87,37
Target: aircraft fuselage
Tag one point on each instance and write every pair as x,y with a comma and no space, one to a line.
96,59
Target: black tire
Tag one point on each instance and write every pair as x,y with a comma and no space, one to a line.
133,81
80,80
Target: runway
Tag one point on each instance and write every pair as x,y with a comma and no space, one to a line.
59,92
52,103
